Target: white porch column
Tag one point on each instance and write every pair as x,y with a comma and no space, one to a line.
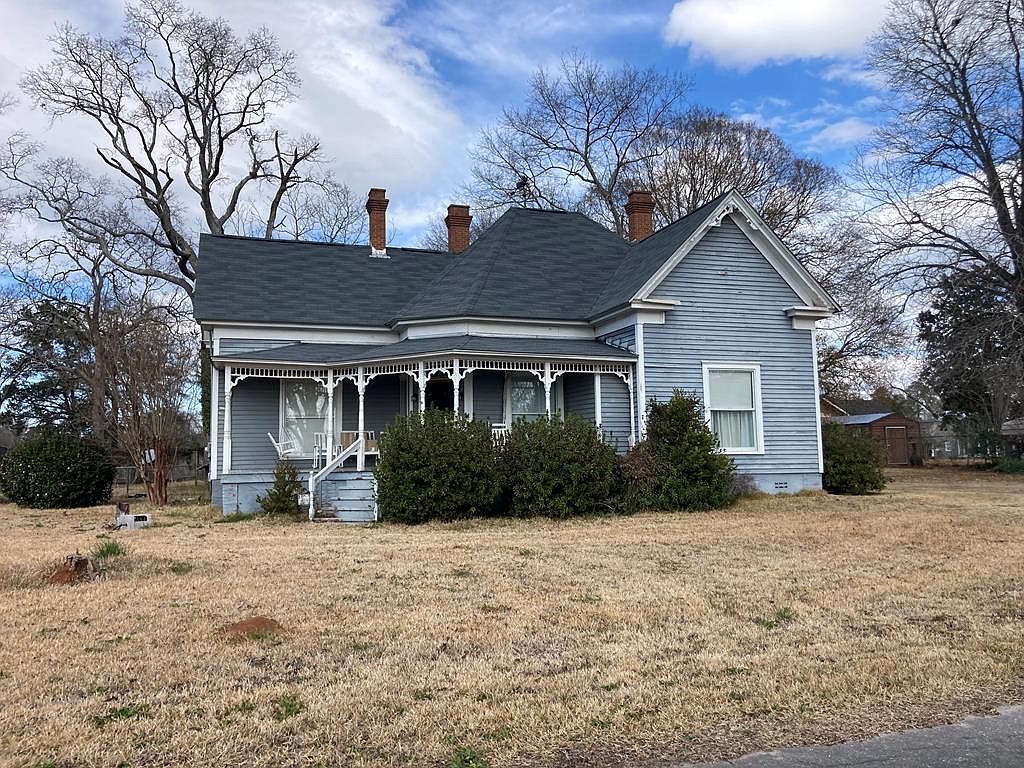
632,411
547,388
641,378
214,419
597,401
330,416
456,379
468,402
228,386
421,379
361,388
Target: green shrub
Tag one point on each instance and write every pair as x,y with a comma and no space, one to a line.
556,467
678,465
283,496
1008,465
57,471
853,460
435,465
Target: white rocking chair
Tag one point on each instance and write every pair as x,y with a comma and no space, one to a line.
284,449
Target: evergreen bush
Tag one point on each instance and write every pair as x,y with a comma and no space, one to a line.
283,496
678,466
57,471
556,467
435,465
853,460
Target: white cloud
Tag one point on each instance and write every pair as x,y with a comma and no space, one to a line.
844,133
853,73
368,92
747,33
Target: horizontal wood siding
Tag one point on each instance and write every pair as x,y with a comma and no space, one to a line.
381,403
578,391
732,310
489,396
255,406
615,411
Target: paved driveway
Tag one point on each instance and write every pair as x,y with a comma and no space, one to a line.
977,742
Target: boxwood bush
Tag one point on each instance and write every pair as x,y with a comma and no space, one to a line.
435,465
57,471
853,460
556,467
678,465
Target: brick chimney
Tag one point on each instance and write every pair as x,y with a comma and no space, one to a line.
458,221
376,207
640,210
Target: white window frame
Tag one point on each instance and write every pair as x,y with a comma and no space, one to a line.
755,369
280,415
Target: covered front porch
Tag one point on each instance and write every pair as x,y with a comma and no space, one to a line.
327,417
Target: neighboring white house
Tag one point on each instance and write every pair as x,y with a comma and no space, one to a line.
317,347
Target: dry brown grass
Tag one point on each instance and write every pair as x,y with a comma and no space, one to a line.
605,641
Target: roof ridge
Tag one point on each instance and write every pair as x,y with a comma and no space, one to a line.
297,241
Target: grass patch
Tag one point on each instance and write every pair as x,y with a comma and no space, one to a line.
777,620
466,757
287,706
121,713
182,567
108,549
243,707
235,518
422,694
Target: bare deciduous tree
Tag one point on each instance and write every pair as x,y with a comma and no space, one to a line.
575,142
947,171
183,105
856,347
321,209
153,375
702,153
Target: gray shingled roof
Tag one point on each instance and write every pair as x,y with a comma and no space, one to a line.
244,279
531,264
342,354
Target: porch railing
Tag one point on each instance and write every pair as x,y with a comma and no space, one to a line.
316,477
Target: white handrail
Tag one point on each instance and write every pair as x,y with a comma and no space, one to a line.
316,477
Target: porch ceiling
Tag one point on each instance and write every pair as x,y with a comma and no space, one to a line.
351,354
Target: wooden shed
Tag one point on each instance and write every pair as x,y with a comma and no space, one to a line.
900,435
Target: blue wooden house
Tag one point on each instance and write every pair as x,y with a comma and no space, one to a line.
316,348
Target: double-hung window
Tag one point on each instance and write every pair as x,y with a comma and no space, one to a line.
526,393
303,413
732,401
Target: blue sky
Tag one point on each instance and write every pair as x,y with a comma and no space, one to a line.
397,91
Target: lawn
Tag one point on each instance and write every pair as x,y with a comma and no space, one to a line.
609,641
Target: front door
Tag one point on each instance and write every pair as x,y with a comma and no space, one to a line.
896,445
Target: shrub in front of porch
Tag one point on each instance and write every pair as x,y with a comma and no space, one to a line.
435,466
556,467
678,465
283,496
